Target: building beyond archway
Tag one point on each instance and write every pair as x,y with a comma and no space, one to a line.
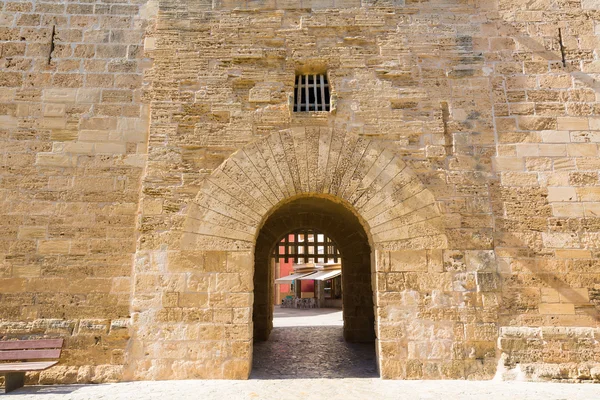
340,224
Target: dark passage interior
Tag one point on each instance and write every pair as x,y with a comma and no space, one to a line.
356,338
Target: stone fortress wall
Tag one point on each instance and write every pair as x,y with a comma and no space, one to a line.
74,132
145,144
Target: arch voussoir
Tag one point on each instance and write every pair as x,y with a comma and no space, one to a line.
229,209
260,154
364,180
227,201
334,150
350,163
368,175
400,209
254,177
380,183
423,214
357,181
233,188
396,199
297,170
311,143
386,194
279,159
324,149
242,178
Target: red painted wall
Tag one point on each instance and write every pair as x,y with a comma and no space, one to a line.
285,269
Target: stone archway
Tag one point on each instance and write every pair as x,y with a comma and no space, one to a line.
367,176
336,221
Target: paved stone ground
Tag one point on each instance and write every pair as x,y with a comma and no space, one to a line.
340,371
313,389
312,352
308,343
286,317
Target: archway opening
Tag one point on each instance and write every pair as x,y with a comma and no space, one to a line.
323,226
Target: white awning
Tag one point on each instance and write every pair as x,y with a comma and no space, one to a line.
322,275
293,277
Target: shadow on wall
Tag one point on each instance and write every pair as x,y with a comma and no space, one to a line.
560,57
547,279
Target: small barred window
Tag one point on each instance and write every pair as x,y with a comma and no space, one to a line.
311,93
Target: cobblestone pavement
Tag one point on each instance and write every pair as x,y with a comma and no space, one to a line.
308,343
312,352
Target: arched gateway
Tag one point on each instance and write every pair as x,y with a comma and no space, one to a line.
338,223
356,190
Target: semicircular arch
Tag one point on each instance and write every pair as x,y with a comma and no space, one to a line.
367,174
338,222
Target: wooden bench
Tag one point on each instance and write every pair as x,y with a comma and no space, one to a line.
25,351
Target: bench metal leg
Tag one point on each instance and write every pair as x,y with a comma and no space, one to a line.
13,380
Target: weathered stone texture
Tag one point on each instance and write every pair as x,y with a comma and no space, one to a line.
384,153
547,158
74,138
464,139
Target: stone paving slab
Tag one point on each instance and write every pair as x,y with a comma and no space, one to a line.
312,352
287,317
326,389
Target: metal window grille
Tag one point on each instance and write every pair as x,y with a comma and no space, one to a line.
305,246
311,93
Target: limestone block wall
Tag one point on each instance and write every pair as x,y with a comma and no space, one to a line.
486,104
545,102
411,91
73,133
144,145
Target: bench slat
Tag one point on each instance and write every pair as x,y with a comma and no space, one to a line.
26,366
31,344
29,354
